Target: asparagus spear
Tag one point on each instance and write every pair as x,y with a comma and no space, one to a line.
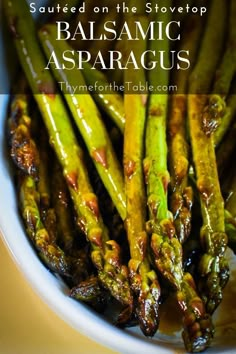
69,235
49,252
23,149
54,207
44,179
213,266
167,249
89,122
227,68
47,212
226,119
87,291
143,278
111,102
181,198
61,202
20,131
105,252
90,291
229,216
221,116
155,163
223,79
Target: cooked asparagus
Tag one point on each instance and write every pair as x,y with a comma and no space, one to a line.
23,148
89,122
105,252
111,102
20,121
47,212
213,266
164,242
227,68
144,280
58,217
224,77
51,254
181,198
67,231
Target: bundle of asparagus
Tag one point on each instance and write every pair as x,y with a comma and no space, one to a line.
117,229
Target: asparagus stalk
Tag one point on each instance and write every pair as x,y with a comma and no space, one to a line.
181,198
155,163
167,249
111,102
221,116
89,122
54,209
38,206
213,266
28,163
223,79
107,99
44,178
47,212
70,237
23,148
51,254
226,120
202,76
105,252
227,68
61,202
229,214
91,292
88,291
143,278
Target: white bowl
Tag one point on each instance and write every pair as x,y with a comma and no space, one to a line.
55,293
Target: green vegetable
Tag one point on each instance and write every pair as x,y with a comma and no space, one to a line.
213,266
89,122
105,252
144,282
